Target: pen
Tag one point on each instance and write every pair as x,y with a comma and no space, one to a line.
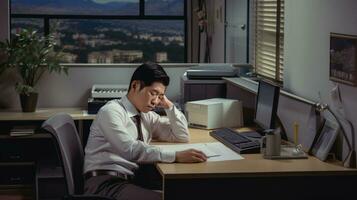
212,156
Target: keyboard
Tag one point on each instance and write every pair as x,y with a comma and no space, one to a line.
236,141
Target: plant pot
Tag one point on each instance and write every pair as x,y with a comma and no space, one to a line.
28,102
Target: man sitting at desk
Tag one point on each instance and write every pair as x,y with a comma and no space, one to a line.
122,130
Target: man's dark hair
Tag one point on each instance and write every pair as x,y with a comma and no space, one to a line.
148,73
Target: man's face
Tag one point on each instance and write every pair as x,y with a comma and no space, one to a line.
148,97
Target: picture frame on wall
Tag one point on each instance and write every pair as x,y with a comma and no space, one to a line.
343,58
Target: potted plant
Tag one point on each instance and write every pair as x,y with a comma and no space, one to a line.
31,56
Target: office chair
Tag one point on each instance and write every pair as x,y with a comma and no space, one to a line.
69,148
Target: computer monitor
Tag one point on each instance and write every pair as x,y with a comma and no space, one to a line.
266,105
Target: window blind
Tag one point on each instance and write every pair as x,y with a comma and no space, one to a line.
269,38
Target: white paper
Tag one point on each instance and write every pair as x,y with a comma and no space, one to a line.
215,151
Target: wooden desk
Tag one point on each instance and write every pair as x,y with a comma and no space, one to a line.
42,114
255,177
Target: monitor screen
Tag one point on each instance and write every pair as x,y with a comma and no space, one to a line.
266,105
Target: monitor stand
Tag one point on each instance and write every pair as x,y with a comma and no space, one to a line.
258,132
278,123
254,134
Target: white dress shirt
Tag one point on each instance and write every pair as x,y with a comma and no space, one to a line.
112,142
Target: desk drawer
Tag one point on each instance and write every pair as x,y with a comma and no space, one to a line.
26,149
15,193
17,174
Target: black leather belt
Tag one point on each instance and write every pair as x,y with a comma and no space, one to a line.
89,174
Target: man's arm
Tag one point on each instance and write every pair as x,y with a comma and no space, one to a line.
111,123
137,151
174,127
179,126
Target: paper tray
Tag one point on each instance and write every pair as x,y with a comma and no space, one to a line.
288,152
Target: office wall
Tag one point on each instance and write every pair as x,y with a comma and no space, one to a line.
307,28
4,19
73,90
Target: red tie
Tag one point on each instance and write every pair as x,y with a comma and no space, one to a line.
137,121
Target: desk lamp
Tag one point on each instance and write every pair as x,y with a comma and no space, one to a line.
350,160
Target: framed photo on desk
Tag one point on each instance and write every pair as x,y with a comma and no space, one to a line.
326,139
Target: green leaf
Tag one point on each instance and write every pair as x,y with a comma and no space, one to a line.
24,89
32,55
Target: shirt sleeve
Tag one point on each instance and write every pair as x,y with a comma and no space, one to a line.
172,128
112,123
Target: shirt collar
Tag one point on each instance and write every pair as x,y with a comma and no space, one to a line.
129,107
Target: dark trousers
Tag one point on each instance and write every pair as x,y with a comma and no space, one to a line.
117,188
147,179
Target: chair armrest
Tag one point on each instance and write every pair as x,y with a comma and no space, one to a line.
87,197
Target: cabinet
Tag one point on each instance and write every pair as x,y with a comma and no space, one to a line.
192,90
29,165
17,180
23,161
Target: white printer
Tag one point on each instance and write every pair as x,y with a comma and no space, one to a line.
214,113
101,94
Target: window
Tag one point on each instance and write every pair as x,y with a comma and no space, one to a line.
269,38
108,31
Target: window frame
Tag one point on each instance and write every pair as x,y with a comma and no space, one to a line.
46,21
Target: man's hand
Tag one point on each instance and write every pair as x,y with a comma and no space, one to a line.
165,102
190,156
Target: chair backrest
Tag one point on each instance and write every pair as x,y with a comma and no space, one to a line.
69,146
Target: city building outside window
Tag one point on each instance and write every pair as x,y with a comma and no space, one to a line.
108,31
